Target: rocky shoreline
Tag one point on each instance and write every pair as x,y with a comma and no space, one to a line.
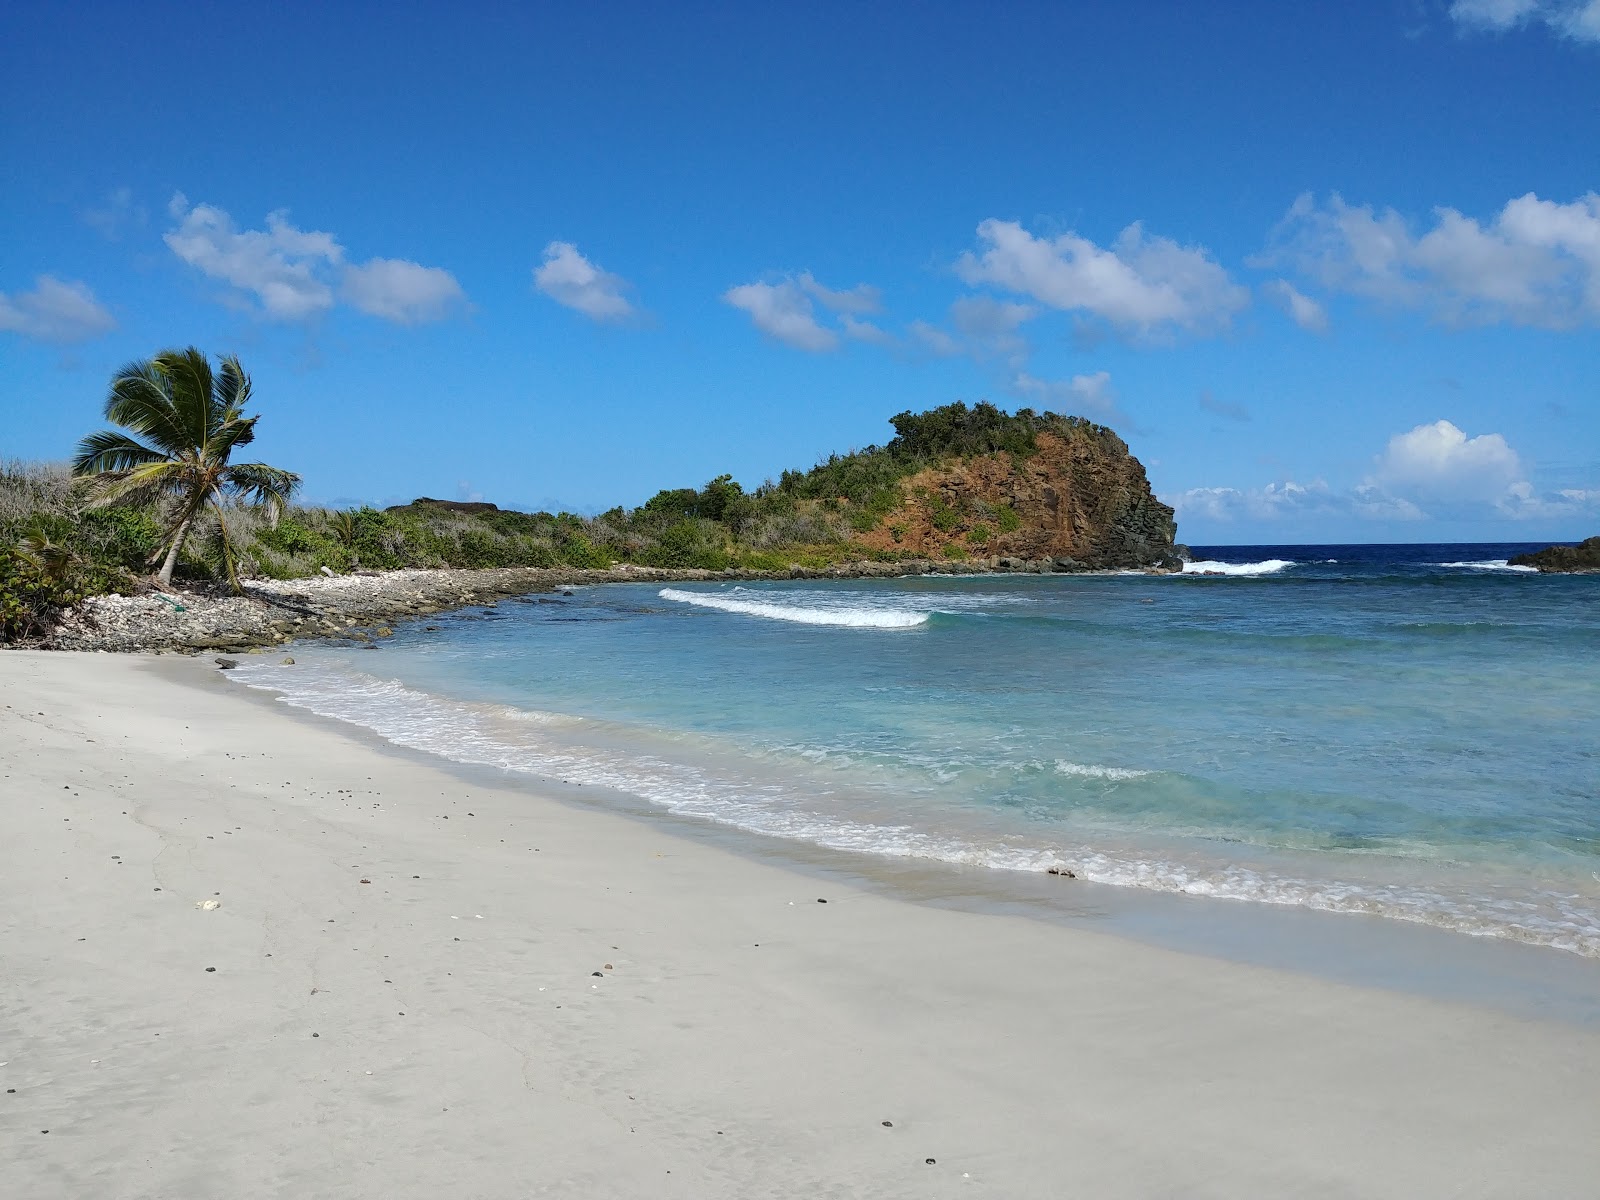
1582,559
366,606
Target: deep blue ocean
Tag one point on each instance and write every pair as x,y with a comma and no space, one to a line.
1406,731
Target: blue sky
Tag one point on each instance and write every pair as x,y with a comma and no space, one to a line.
1332,270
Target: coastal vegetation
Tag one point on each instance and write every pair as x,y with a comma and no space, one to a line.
161,492
178,426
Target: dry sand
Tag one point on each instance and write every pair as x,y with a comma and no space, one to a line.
440,1030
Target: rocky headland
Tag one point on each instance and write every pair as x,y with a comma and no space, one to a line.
1582,559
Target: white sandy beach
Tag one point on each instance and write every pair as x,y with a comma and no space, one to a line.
404,1003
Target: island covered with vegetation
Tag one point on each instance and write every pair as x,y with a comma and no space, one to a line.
159,500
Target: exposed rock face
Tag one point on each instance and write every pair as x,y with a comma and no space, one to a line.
1080,500
1582,559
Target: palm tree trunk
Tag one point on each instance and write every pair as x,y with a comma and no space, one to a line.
165,574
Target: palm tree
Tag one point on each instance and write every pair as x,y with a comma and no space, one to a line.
180,425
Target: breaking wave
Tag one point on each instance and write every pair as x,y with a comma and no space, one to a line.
1491,564
1207,566
805,614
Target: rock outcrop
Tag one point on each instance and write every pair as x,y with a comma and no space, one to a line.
1081,500
1582,559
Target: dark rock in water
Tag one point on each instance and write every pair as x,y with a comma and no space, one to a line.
1063,872
227,664
1582,559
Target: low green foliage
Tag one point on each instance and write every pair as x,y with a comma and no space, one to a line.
809,519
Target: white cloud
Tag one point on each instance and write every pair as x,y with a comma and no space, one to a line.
859,300
1536,263
1575,19
56,310
282,266
401,291
293,273
1302,309
865,331
1142,284
1522,502
1080,393
933,339
569,278
1288,500
1440,462
1431,471
783,311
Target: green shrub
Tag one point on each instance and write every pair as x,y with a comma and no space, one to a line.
1006,517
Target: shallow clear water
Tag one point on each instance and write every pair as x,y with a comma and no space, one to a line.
1412,732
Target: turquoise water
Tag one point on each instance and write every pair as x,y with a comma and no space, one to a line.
1411,732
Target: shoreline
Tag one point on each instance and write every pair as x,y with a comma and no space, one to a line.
1019,1054
1511,976
278,612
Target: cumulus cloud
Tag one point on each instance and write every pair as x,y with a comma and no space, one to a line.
1302,309
294,274
861,299
1142,284
1440,462
934,340
569,278
784,311
56,310
865,331
1575,19
1535,263
401,291
1432,471
1081,393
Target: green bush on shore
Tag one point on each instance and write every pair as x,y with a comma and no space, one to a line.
55,549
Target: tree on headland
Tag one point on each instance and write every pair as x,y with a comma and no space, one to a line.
180,425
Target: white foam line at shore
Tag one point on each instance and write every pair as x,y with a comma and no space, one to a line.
463,733
855,618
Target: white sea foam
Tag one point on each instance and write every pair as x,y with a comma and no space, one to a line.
1270,566
1490,564
1090,771
481,734
805,614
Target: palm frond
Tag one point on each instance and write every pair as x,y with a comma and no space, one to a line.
193,392
112,450
139,484
257,483
141,400
232,387
228,437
